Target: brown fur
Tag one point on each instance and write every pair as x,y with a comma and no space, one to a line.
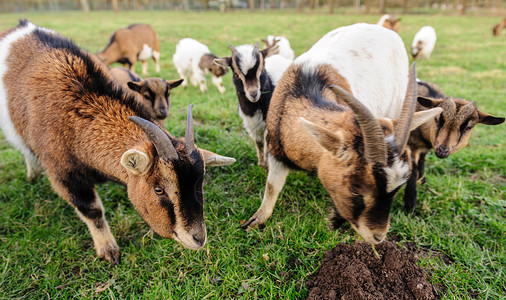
391,23
497,28
207,63
67,111
319,136
152,93
127,43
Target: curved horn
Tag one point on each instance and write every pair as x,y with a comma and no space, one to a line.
189,135
162,142
375,148
402,127
257,47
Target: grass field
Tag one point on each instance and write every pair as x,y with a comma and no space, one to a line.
47,252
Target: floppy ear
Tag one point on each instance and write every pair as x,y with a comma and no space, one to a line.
428,102
134,86
135,161
212,159
224,62
424,116
332,142
174,83
488,119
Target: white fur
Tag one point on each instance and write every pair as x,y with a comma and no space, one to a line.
275,66
427,35
284,46
371,58
248,60
187,59
146,52
383,19
255,126
6,124
397,174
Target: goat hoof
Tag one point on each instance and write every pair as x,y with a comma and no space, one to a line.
253,222
111,254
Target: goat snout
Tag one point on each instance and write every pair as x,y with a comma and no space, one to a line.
161,113
442,151
379,237
253,96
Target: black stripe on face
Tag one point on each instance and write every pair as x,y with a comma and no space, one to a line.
190,176
358,206
377,216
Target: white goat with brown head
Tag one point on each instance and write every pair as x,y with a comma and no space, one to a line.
390,22
136,42
60,107
153,92
446,133
316,125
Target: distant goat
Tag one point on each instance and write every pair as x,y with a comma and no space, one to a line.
390,22
497,28
194,59
136,42
423,43
153,93
255,75
446,133
60,107
315,123
284,46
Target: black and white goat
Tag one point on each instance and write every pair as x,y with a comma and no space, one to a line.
255,75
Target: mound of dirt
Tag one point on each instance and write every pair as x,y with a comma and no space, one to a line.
355,272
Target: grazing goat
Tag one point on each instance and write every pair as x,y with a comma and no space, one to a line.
153,93
254,88
284,46
194,59
497,28
390,22
136,42
316,125
61,108
423,43
446,133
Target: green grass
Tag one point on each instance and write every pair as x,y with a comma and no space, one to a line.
46,251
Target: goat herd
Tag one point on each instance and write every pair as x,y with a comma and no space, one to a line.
349,109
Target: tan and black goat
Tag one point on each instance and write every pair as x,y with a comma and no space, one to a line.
313,124
153,93
60,107
446,133
136,42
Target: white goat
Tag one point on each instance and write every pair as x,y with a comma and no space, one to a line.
284,46
423,43
194,59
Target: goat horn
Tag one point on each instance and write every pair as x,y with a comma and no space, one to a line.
232,48
158,137
402,127
257,47
375,149
189,135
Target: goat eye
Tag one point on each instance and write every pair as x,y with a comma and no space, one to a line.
441,121
159,190
354,194
147,96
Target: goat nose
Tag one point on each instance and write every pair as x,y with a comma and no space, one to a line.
442,151
199,239
379,237
254,95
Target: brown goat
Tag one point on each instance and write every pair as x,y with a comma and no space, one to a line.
446,133
61,108
390,22
497,28
136,42
153,93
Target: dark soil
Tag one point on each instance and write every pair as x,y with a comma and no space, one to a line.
355,272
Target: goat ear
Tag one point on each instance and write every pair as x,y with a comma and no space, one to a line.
424,116
135,161
488,119
428,102
212,159
134,86
224,62
174,83
332,142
